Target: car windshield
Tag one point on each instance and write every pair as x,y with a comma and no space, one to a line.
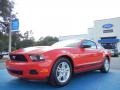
67,43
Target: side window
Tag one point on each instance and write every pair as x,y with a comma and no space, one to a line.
86,42
92,44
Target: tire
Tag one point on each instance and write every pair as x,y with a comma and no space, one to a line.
116,55
1,56
106,66
61,72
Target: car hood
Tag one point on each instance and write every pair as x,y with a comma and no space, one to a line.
34,50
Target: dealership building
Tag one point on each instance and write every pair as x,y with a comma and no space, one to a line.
106,32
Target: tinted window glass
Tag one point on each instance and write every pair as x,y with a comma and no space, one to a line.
90,43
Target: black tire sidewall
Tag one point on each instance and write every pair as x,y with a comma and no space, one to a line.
103,69
55,80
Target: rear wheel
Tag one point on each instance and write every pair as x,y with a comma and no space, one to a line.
61,72
106,66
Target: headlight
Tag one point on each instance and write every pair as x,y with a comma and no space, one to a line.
37,58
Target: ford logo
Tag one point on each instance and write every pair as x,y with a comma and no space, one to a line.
107,25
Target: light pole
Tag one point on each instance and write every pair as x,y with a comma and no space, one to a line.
10,35
13,25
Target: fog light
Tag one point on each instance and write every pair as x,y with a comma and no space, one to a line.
33,72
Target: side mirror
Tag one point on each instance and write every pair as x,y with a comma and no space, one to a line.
85,46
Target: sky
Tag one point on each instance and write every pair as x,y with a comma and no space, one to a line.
63,17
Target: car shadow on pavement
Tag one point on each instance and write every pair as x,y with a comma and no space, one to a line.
83,81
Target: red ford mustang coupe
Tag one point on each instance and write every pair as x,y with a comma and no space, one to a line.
57,63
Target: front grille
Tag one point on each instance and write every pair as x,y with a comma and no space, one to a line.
18,58
18,72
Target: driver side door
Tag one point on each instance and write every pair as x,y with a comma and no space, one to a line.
87,56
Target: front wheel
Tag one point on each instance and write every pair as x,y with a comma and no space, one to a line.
106,66
61,72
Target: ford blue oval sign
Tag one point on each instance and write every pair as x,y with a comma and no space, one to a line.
107,25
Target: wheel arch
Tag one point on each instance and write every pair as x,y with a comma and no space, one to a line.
69,58
50,78
108,57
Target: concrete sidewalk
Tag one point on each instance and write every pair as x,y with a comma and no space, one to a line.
115,63
5,57
2,61
2,65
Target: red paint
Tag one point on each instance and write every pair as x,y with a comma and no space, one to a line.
84,59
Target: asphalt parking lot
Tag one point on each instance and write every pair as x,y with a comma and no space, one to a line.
83,81
115,63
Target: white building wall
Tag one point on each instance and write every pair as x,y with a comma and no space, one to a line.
93,34
116,27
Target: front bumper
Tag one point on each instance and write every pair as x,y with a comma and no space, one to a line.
29,70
